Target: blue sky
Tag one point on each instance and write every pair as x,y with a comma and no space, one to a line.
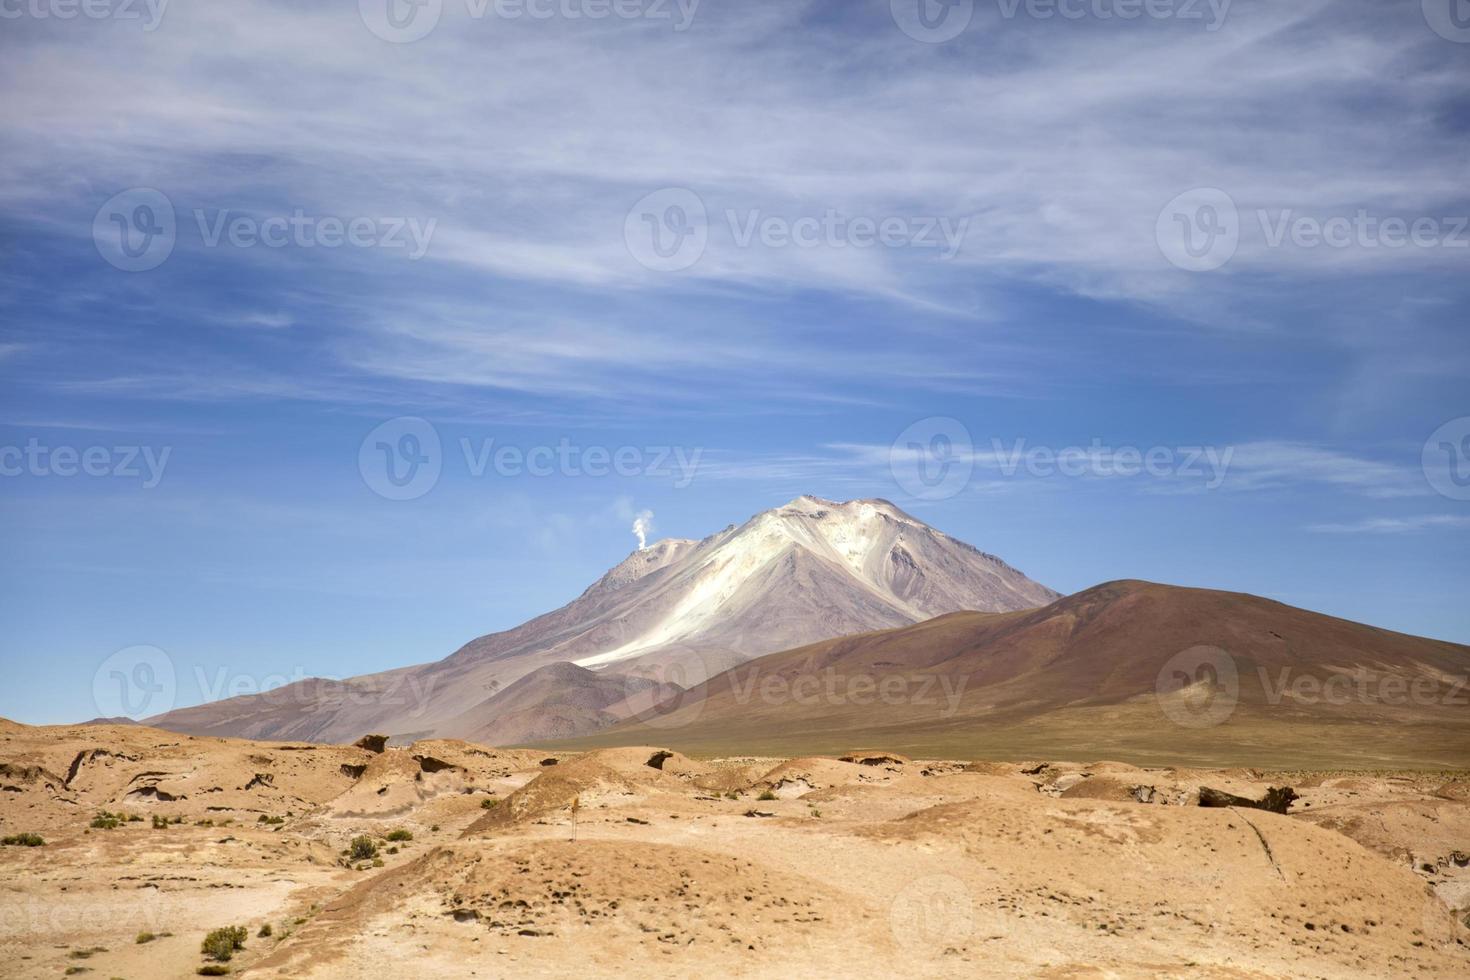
502,172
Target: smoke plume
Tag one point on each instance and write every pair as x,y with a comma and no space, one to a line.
643,527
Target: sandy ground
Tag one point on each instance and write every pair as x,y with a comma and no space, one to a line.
746,866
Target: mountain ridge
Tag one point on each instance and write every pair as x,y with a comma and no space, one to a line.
677,611
1127,669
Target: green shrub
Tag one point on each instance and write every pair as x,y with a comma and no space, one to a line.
86,954
145,937
271,820
363,849
160,823
489,803
22,840
766,795
221,943
107,821
134,818
265,931
212,970
400,834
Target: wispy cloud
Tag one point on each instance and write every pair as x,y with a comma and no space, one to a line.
530,170
268,321
1395,525
1247,467
1268,465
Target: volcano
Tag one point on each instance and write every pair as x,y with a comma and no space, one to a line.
672,614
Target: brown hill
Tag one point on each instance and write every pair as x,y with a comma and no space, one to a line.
1128,670
557,701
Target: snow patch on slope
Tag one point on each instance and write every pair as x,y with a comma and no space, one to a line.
857,537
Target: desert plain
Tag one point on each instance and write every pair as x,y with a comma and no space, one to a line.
449,859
